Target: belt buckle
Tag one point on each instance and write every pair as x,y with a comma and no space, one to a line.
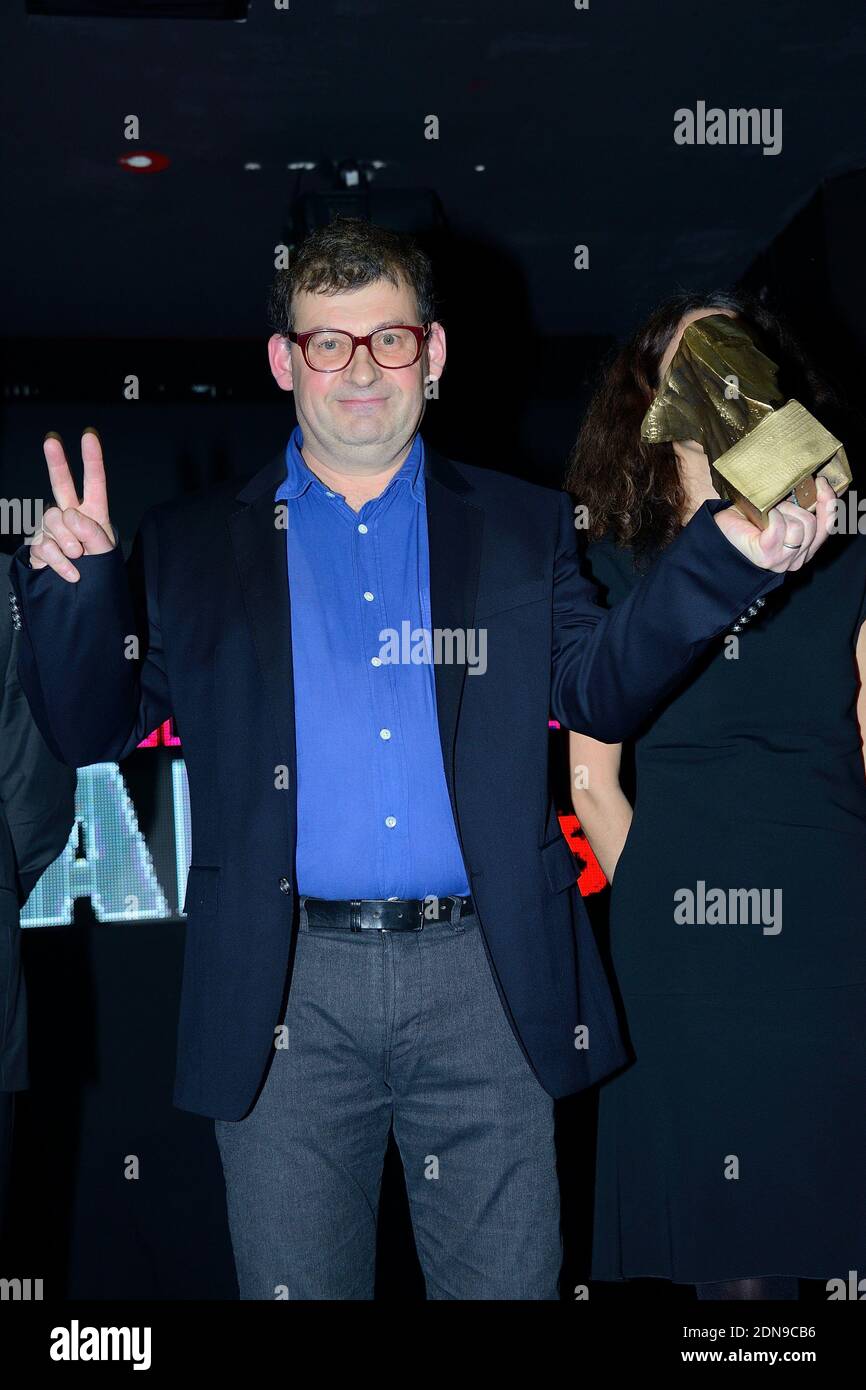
420,924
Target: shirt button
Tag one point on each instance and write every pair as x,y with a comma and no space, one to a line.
375,661
330,494
285,885
390,821
385,733
362,528
368,596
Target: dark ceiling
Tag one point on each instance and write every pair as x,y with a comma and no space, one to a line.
570,113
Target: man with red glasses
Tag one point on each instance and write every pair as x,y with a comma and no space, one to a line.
383,923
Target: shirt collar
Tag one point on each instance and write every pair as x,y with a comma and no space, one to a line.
299,476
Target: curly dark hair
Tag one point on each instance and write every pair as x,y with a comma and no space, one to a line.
345,255
631,489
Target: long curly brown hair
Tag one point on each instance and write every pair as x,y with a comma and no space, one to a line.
631,489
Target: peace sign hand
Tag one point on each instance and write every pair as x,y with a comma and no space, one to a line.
73,527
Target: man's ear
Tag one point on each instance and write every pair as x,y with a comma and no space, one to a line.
436,352
280,359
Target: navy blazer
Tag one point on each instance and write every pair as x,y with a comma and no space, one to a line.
205,590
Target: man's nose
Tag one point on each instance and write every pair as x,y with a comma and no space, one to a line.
362,369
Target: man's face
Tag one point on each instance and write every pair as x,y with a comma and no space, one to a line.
364,413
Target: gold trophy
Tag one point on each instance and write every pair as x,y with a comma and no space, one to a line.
721,391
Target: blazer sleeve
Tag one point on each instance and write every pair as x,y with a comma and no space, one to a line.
91,660
611,669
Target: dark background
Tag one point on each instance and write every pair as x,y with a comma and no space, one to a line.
556,129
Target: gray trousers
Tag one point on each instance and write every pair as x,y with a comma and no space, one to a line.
404,1028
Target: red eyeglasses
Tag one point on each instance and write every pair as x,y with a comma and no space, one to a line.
332,349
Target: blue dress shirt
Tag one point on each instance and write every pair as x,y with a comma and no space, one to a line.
374,815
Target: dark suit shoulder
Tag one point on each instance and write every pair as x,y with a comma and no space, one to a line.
196,510
489,482
497,493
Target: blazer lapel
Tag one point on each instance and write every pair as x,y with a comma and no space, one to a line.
454,527
260,554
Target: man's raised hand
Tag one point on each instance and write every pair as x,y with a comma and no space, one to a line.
73,528
792,536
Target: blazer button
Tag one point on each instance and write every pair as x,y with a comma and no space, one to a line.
285,885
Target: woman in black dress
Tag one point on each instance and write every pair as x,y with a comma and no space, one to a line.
732,1153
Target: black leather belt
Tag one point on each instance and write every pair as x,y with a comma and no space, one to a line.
384,914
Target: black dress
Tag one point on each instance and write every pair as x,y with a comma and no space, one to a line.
735,1145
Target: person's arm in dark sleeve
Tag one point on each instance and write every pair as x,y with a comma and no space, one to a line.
611,669
91,660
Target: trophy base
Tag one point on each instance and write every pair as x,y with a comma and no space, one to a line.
780,460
